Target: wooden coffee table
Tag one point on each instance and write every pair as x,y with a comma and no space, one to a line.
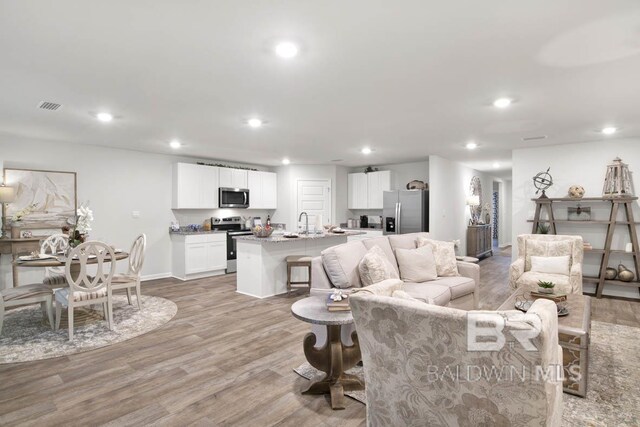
574,332
334,357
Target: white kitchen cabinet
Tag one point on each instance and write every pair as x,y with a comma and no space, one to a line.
357,191
263,190
195,186
233,178
366,189
377,184
198,255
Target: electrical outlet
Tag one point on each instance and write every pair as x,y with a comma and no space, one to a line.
135,214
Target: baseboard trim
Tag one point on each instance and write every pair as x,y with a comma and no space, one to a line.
157,276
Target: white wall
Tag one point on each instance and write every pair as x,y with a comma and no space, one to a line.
583,164
116,182
449,183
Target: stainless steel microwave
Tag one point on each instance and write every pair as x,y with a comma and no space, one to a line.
233,198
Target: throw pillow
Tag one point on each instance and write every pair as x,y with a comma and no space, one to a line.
445,254
546,248
551,264
375,267
417,265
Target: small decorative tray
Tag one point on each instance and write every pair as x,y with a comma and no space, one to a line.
525,305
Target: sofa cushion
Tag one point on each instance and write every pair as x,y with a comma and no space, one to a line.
403,295
445,254
459,286
383,243
341,263
429,292
416,265
375,267
546,248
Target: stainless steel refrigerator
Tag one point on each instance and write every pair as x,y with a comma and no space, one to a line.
405,211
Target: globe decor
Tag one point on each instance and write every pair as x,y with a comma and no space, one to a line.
617,182
542,181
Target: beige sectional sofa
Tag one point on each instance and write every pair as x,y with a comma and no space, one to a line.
340,270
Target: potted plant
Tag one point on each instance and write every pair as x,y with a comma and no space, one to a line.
545,287
543,229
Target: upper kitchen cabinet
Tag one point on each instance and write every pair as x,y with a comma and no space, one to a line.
195,186
377,184
366,189
233,178
263,190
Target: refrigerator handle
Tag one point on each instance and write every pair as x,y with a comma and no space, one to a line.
399,212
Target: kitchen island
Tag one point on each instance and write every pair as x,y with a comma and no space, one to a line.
262,270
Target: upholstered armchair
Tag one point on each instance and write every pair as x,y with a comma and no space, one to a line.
548,245
419,369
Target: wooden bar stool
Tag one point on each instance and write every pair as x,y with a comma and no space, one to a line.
298,261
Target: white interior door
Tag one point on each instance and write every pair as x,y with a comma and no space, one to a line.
314,198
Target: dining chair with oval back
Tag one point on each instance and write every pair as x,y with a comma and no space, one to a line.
52,245
85,289
131,279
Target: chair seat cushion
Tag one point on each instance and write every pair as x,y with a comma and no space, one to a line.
531,279
62,295
26,291
459,286
55,280
126,278
429,292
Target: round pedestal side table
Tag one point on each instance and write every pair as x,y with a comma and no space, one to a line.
334,357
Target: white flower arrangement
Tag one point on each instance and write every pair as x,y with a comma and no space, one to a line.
85,218
23,212
338,295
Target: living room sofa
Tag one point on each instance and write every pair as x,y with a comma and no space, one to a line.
459,291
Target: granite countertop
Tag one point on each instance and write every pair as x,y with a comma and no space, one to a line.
280,238
185,231
344,227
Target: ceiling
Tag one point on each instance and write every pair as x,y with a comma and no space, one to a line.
410,80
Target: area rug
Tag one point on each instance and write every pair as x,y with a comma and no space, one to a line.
613,397
26,336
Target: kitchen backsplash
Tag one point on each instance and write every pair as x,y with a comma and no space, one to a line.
197,216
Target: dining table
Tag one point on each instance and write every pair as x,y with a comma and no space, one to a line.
61,261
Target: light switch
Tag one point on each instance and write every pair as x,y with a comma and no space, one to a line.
135,214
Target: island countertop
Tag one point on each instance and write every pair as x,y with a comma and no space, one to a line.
281,238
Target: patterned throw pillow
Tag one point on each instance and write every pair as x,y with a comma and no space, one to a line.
445,254
374,267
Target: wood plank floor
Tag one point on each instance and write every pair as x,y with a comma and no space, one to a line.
225,360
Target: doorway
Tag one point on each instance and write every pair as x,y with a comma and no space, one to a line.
314,198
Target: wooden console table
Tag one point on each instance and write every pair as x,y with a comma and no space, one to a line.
479,241
16,247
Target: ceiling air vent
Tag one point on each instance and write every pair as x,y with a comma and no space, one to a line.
51,106
534,138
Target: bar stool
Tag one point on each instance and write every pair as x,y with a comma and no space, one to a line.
298,261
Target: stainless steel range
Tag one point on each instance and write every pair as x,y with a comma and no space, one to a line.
234,226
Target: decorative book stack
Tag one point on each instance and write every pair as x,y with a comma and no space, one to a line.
342,305
553,297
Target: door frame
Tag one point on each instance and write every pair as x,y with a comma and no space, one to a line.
329,184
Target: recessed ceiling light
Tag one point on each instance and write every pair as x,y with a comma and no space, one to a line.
502,102
254,123
471,145
286,161
286,50
175,144
366,150
609,130
496,165
104,117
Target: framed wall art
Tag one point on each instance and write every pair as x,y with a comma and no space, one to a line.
54,194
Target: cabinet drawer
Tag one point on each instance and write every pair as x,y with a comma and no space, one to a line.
206,238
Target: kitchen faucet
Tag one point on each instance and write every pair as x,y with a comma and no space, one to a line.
306,230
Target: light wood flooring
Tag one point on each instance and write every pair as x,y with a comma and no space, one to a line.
225,360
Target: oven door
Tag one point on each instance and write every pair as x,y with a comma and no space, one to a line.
233,198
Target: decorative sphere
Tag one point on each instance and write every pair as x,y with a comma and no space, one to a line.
576,191
610,273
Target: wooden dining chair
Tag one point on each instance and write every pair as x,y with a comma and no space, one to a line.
52,245
87,289
131,279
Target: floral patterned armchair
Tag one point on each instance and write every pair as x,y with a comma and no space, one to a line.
548,245
419,370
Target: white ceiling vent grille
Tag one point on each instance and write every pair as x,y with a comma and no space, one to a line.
51,106
534,138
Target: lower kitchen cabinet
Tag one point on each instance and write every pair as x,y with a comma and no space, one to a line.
198,255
